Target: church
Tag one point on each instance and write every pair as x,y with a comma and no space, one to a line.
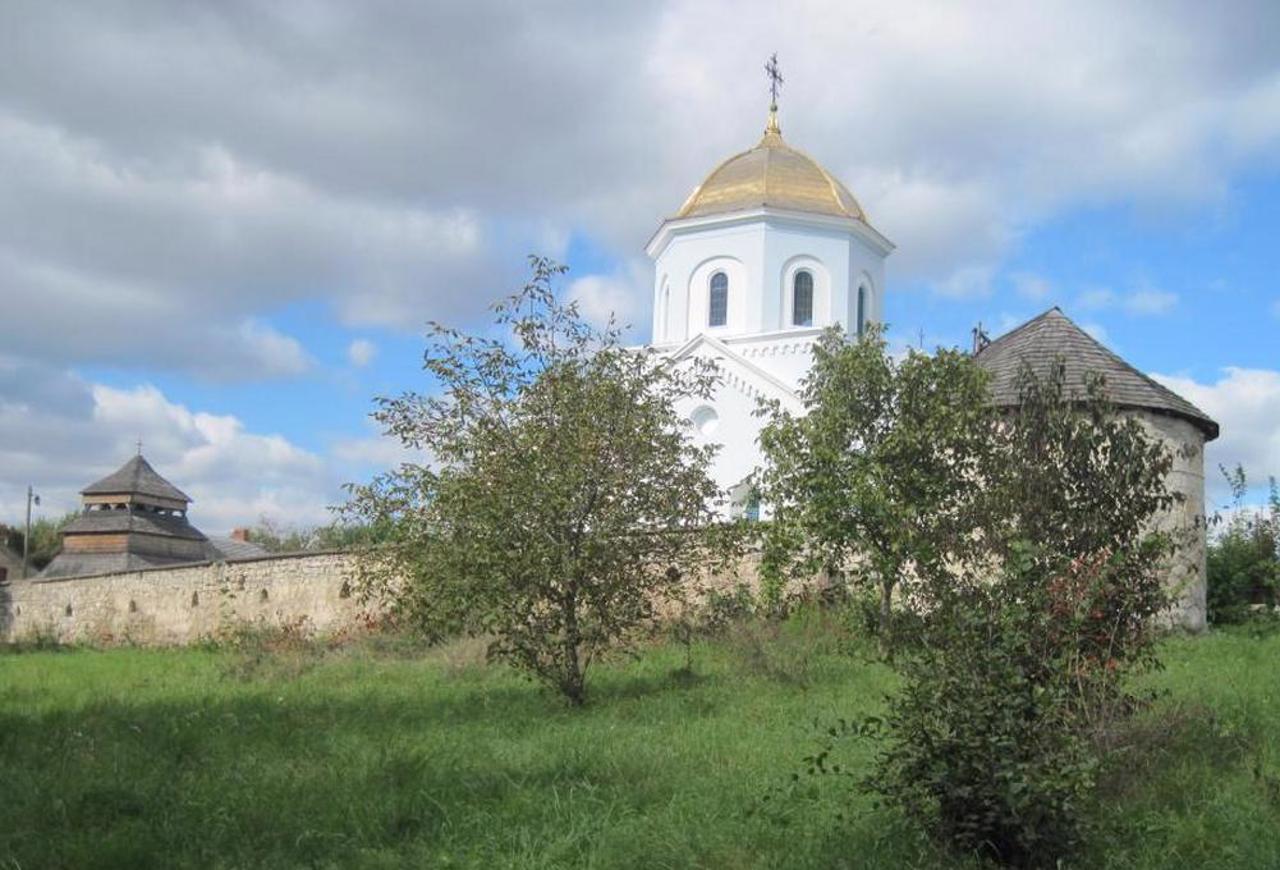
764,255
771,248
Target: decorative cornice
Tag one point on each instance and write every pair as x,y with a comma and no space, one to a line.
809,220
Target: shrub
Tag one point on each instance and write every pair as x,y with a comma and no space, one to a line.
995,739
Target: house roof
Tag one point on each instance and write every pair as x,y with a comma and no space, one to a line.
233,548
1042,341
136,477
83,564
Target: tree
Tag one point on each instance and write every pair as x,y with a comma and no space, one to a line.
565,500
1019,677
876,476
1244,558
46,538
277,538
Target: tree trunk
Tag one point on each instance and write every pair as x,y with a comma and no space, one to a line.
885,628
571,683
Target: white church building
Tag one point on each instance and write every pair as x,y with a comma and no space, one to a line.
768,251
771,249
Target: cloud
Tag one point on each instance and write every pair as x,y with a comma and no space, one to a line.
1097,299
175,170
969,282
87,430
361,352
1145,300
1246,404
1098,331
1031,286
1150,301
622,295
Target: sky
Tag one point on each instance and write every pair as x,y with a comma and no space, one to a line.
224,226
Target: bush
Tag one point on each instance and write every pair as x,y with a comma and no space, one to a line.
1017,670
984,750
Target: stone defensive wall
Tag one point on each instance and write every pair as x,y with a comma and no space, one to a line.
184,603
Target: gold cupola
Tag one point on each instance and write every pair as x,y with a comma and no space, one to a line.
771,175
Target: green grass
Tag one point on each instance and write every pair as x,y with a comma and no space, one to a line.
361,758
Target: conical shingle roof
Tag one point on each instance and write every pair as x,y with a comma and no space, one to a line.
136,477
1040,342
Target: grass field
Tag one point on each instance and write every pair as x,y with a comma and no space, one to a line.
368,757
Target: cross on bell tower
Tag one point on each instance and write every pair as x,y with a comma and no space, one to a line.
775,85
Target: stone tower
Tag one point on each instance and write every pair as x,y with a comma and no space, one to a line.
1040,343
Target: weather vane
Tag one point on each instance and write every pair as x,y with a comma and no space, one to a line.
775,81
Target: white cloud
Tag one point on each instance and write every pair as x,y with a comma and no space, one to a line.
209,165
1145,300
1098,331
1246,405
1150,301
969,282
622,295
234,475
1097,299
375,452
1031,286
361,352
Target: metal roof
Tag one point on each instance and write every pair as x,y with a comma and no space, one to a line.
1042,341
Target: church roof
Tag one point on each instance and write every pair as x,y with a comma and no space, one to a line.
136,477
772,174
1041,341
135,521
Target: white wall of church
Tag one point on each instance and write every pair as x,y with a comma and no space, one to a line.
760,256
728,419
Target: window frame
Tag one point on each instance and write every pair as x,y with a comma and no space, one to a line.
795,298
723,292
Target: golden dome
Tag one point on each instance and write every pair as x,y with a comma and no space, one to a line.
771,174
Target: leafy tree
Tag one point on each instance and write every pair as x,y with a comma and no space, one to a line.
276,538
877,476
997,734
46,538
565,498
1244,558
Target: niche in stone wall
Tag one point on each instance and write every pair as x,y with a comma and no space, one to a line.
68,611
262,596
195,599
133,606
345,591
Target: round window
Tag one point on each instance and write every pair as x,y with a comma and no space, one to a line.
705,419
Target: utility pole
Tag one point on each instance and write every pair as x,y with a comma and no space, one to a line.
26,537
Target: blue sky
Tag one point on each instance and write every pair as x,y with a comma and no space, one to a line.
222,229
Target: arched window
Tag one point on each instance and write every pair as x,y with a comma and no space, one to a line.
862,310
718,309
802,299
